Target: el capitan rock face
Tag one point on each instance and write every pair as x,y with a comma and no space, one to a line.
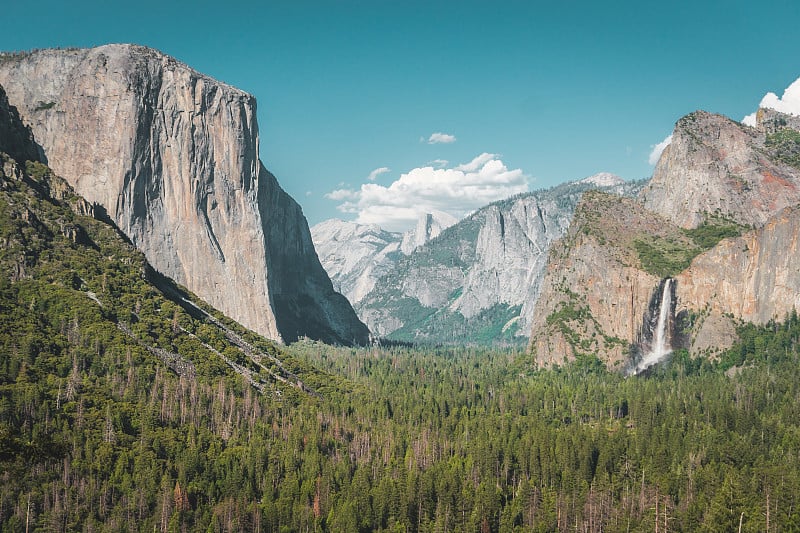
17,140
172,156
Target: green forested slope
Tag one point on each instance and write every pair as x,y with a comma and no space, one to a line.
122,409
113,384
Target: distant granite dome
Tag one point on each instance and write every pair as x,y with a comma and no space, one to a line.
172,156
357,255
429,226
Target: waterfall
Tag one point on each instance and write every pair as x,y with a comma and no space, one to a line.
660,345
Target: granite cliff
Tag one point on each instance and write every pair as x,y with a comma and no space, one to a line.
719,217
717,165
429,226
753,278
597,289
477,281
172,156
17,140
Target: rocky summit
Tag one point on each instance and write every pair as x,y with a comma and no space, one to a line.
171,156
356,255
717,165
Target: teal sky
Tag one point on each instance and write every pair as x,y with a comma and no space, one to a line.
555,90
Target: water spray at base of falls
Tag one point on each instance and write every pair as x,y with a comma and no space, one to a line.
660,346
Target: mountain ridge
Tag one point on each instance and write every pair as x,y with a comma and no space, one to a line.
715,164
477,281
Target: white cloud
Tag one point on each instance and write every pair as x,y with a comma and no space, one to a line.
657,150
377,172
789,103
476,163
441,138
438,163
342,194
750,120
456,191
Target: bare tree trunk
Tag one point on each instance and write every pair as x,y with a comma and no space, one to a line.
28,514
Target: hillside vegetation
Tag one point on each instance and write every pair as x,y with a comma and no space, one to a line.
122,410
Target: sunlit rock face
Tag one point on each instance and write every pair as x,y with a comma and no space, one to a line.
429,226
717,165
755,277
595,292
172,156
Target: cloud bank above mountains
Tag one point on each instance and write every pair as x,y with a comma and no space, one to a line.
789,103
457,191
460,189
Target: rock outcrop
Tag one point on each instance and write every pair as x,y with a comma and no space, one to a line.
754,277
172,156
715,165
429,226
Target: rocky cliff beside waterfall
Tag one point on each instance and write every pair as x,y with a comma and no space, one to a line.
719,220
172,156
475,282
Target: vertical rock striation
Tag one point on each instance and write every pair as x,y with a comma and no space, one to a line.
172,156
754,277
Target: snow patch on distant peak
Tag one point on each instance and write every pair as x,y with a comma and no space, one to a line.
603,179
